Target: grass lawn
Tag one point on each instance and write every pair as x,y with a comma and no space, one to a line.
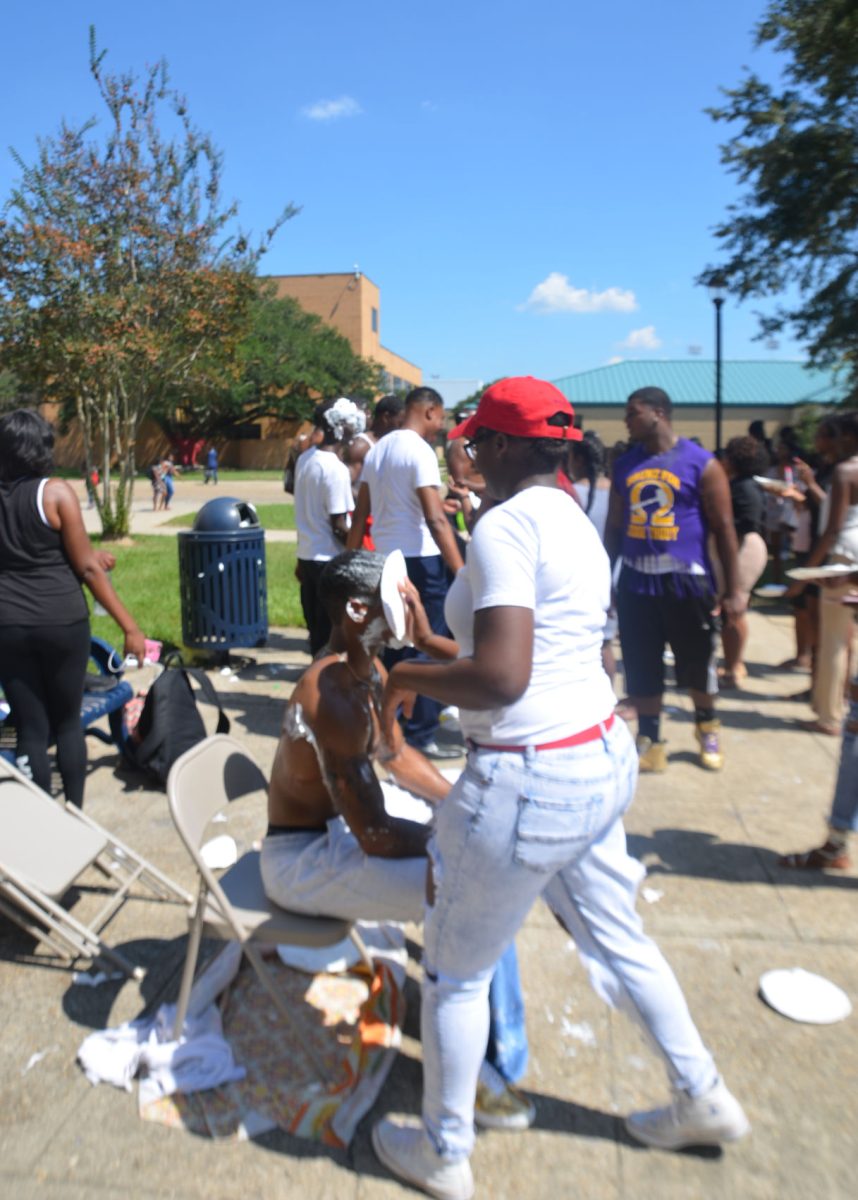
271,516
147,579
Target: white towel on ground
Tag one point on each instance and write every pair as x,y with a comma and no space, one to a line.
201,1059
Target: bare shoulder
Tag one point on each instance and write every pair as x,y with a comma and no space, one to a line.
59,495
342,720
58,490
356,451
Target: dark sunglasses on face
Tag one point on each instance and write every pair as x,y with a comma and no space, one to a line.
471,446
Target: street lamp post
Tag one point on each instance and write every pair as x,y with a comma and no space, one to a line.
717,293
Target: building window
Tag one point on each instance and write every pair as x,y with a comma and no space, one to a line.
375,320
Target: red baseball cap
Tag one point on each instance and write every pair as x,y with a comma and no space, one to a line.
522,407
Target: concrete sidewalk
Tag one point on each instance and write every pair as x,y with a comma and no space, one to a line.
715,899
191,493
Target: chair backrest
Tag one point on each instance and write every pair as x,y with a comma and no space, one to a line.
204,780
42,840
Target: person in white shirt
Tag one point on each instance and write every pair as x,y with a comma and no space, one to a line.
323,503
539,807
387,416
401,489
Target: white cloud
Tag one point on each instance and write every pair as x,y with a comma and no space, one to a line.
556,294
641,339
614,359
332,110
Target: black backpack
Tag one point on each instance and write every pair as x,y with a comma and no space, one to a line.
170,722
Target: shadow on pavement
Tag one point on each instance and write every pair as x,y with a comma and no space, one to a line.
701,855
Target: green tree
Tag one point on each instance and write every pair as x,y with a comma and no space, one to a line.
795,152
9,390
285,363
120,284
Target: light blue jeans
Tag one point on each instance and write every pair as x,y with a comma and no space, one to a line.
844,806
515,826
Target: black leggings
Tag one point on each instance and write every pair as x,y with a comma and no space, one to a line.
42,670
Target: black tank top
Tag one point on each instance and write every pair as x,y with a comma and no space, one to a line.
37,583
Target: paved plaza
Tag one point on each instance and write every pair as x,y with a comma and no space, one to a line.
715,899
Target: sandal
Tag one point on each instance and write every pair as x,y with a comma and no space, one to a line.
817,726
794,664
828,857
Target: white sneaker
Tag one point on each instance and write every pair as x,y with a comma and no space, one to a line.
402,1145
498,1104
442,750
706,1120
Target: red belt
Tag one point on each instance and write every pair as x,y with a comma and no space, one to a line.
576,739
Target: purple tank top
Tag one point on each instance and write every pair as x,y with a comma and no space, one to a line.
664,526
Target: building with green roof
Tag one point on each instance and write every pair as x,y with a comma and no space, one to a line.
767,391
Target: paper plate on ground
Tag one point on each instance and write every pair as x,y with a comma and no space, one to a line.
393,574
803,996
770,591
826,571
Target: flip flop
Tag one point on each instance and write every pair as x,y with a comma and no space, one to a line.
827,857
819,727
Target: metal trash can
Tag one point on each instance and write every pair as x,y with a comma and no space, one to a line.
222,579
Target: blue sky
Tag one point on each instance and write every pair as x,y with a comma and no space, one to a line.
532,185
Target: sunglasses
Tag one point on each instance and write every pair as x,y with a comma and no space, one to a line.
474,443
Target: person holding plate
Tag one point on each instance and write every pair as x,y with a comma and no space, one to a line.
539,807
837,548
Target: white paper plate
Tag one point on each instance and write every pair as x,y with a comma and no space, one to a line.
220,852
803,996
393,574
773,485
826,571
770,591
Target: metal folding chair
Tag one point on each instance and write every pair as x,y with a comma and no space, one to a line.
45,847
201,783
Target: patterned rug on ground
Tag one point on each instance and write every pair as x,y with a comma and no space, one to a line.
348,1024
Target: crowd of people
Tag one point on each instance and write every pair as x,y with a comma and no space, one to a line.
507,588
499,597
512,601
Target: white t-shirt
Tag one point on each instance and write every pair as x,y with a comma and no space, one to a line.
539,551
323,488
396,466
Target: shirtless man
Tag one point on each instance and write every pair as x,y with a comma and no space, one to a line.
332,848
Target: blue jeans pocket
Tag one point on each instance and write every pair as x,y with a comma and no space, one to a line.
552,832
